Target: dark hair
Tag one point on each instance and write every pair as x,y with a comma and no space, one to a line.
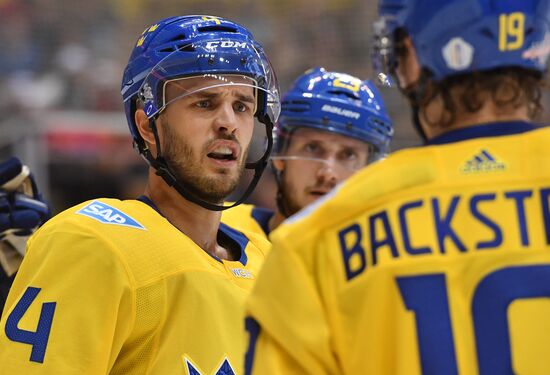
509,87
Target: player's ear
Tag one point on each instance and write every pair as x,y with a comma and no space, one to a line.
279,165
143,125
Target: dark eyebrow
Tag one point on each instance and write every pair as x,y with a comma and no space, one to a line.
246,98
352,148
355,148
203,95
211,95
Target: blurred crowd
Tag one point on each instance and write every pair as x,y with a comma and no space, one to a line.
70,55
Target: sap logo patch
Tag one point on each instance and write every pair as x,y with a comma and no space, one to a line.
108,215
483,162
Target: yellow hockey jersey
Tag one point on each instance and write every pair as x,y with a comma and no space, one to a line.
248,218
111,287
435,261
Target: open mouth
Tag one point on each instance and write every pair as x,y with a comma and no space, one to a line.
223,153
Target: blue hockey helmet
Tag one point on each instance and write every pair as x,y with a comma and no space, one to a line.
176,49
195,46
338,103
460,36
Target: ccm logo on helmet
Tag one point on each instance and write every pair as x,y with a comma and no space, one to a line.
340,111
225,44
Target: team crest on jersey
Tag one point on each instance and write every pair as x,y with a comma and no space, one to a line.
106,214
223,369
483,162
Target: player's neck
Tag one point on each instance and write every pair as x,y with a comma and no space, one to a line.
197,223
488,113
276,220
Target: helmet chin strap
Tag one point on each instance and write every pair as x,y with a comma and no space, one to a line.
163,170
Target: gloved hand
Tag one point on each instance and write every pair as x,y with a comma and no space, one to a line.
22,208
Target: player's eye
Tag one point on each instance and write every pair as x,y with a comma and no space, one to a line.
312,148
348,154
203,104
240,107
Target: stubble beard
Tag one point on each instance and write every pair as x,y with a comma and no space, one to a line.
290,196
190,174
291,205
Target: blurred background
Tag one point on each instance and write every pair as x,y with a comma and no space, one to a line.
62,62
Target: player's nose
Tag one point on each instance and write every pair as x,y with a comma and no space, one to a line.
225,120
328,172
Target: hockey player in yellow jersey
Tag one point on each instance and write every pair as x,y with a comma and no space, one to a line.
156,285
331,125
436,261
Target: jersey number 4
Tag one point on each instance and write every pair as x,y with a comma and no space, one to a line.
491,299
39,338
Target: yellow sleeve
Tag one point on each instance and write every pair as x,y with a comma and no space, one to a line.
287,329
70,308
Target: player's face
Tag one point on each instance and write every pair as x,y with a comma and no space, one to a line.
316,162
408,68
205,135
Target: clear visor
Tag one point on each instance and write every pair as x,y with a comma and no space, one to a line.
347,156
209,65
382,54
336,165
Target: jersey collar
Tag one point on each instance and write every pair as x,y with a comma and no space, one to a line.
494,129
238,239
262,217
